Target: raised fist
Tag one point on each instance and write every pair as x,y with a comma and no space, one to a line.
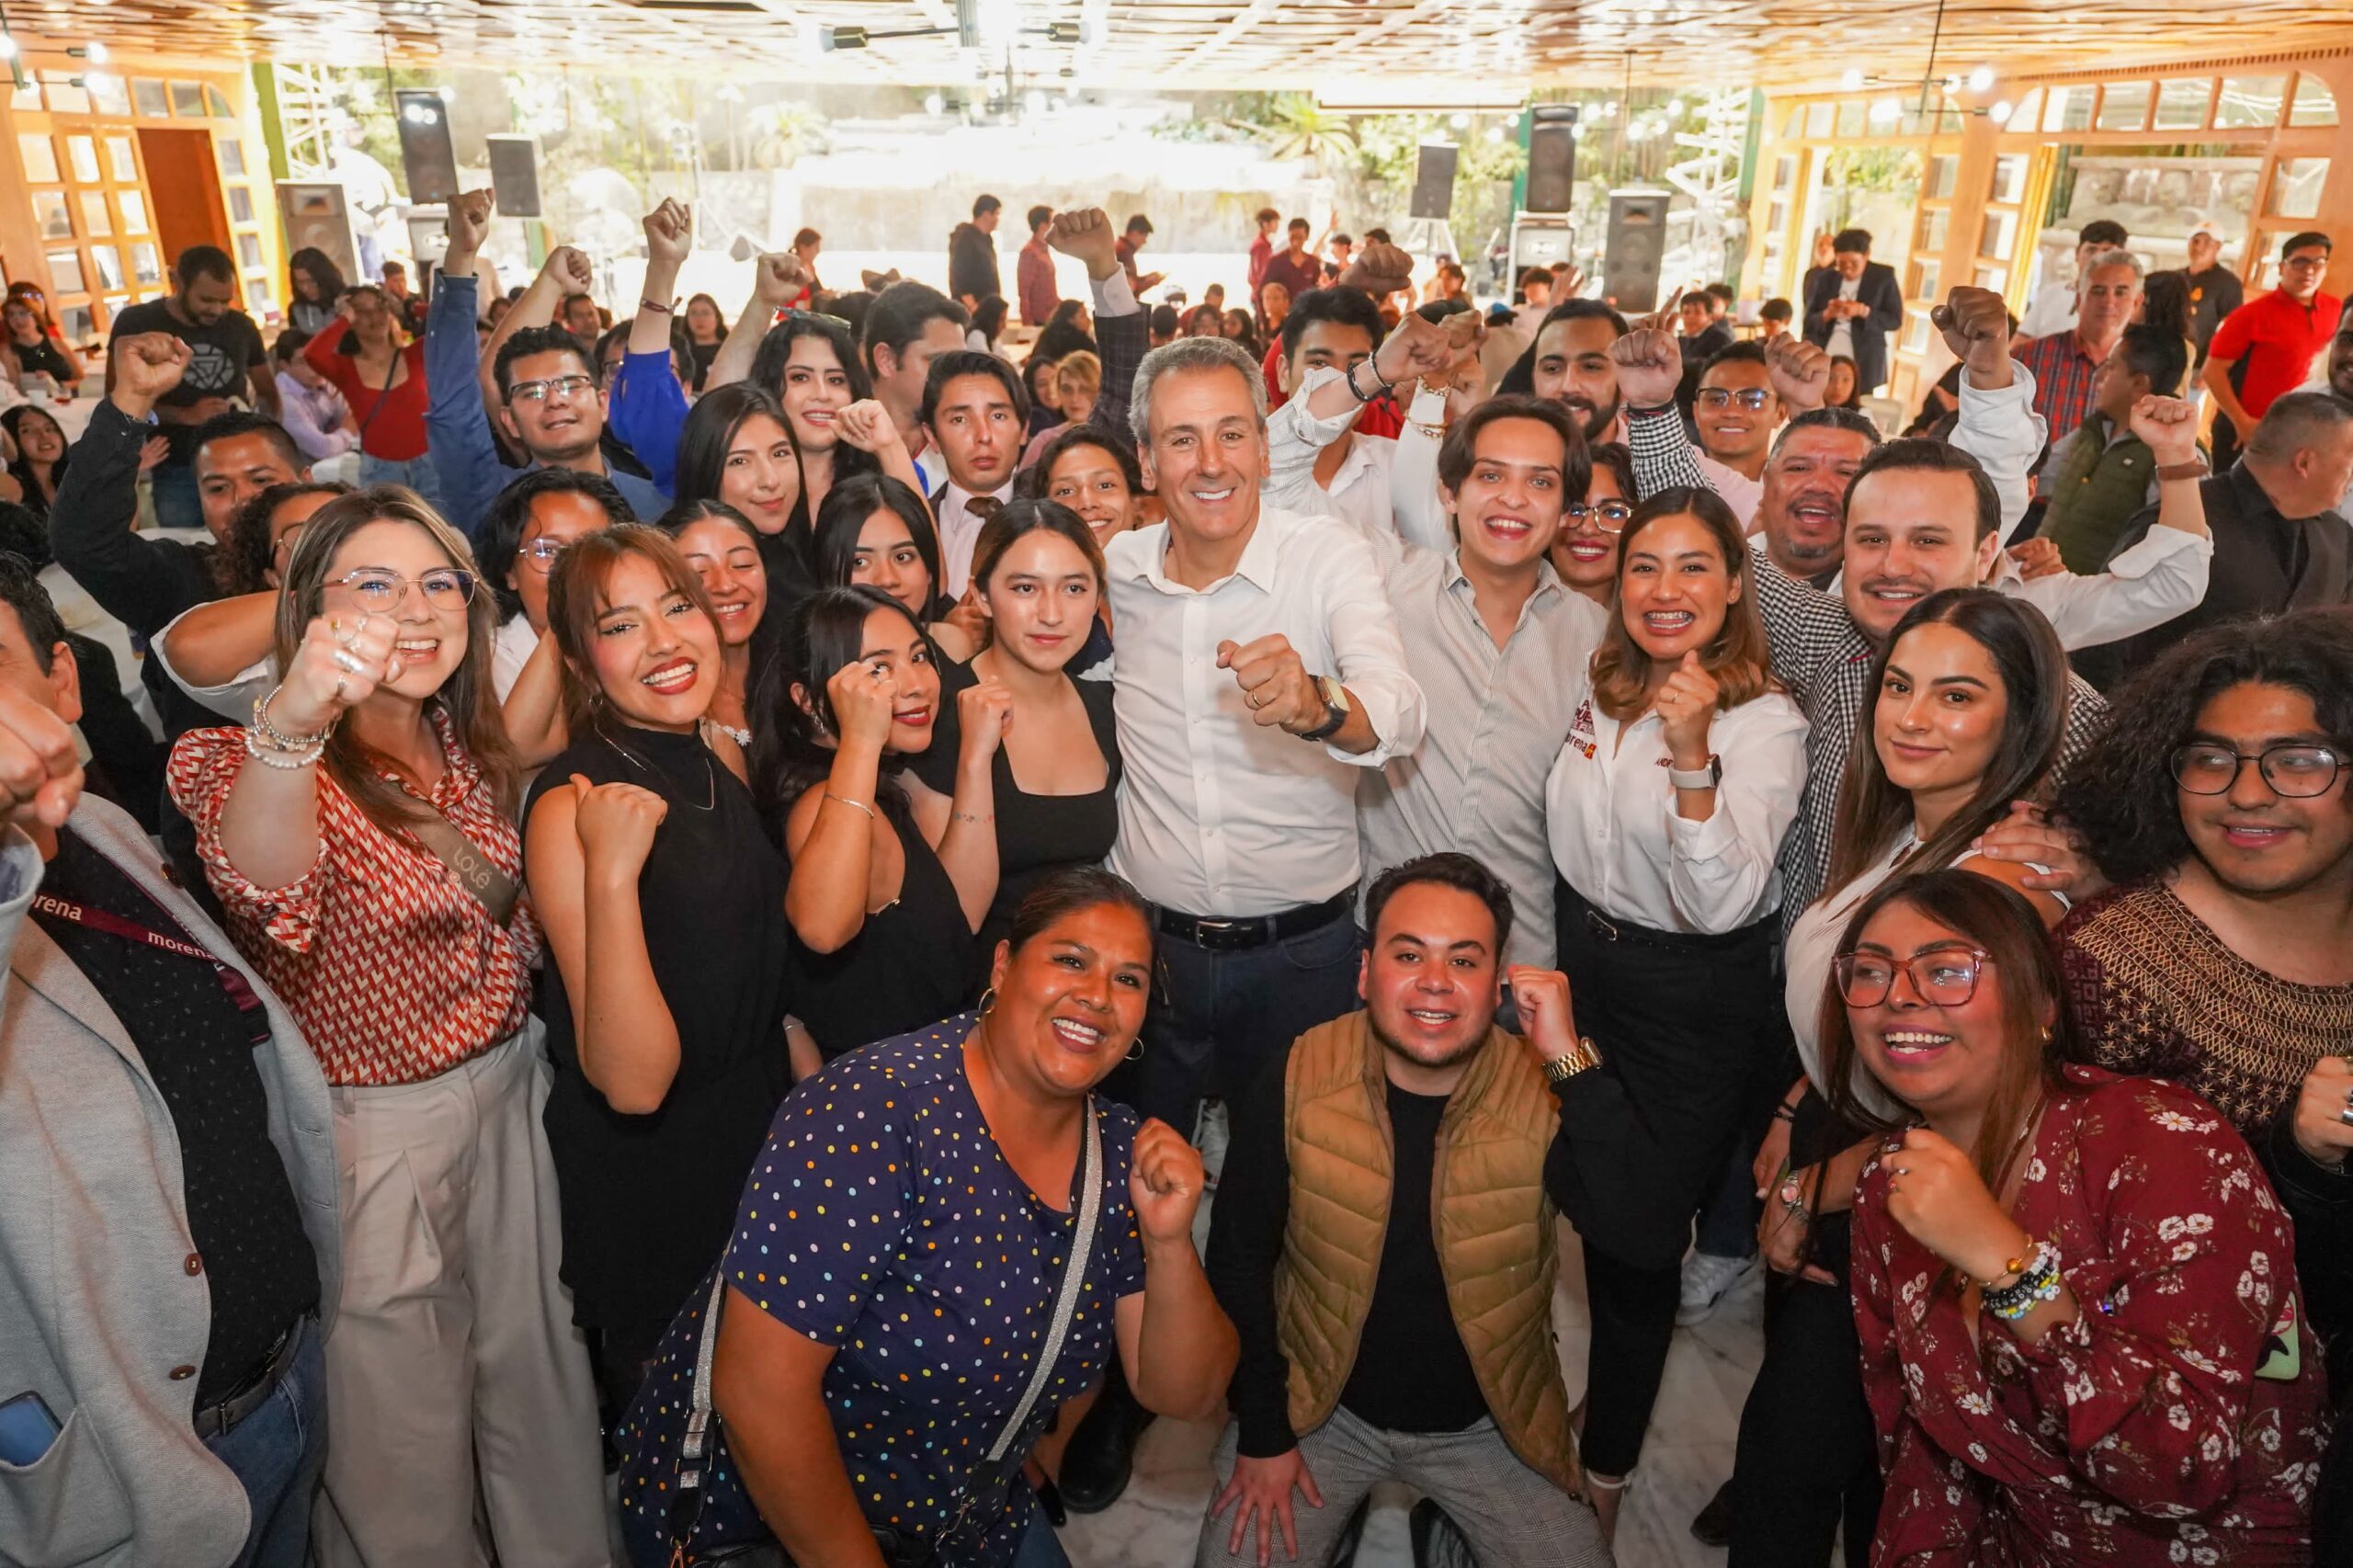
1379,271
1650,366
669,232
468,221
777,279
568,267
148,365
1087,235
1976,327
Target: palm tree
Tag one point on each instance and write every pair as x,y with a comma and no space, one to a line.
1298,127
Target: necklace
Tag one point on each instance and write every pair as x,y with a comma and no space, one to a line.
741,737
710,779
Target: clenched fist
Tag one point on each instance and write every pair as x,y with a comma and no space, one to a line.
1650,367
1976,327
1087,236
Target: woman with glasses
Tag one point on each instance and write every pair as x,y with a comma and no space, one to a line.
2073,1291
361,836
28,350
663,901
2220,804
1969,709
1584,552
1665,811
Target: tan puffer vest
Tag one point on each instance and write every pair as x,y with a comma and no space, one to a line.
1492,1222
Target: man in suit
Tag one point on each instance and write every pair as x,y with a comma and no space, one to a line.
168,1247
1852,308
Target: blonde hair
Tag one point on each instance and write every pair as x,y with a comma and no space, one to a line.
1080,373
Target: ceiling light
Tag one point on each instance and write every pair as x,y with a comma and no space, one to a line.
2000,113
1886,111
1980,78
97,54
933,103
1459,121
7,47
1850,79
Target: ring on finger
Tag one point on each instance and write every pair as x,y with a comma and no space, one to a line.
349,662
340,683
344,636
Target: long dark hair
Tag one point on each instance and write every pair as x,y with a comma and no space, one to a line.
842,517
2040,1041
775,347
574,589
2120,795
711,427
1061,333
1738,658
2033,667
324,274
790,741
20,467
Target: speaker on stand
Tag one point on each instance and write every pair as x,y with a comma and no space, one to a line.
1551,157
426,156
1635,249
514,174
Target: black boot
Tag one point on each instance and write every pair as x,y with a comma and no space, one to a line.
1712,1526
1102,1452
1344,1551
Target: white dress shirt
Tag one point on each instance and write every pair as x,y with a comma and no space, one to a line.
1218,815
2157,579
233,698
960,530
1359,491
1498,717
517,642
1842,332
1617,841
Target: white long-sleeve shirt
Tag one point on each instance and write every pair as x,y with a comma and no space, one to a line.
1610,813
1359,491
1220,816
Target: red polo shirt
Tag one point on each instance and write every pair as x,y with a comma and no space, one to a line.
2274,339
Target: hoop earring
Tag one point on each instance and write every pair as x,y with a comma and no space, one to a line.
988,1000
1135,1051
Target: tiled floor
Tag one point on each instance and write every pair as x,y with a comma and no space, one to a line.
1688,1454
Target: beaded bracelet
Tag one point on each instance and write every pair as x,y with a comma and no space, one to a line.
278,738
2036,1283
290,759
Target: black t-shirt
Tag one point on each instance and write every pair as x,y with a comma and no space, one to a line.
220,358
198,1048
46,358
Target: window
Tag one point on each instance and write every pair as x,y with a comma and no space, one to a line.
76,323
241,204
1930,280
214,102
82,153
27,99
109,265
187,100
2009,179
108,93
65,271
2314,104
2181,105
2249,101
1819,118
257,300
1934,224
1795,127
233,157
133,205
2295,187
38,156
146,263
1852,118
2023,116
2001,235
2068,108
2124,106
249,251
1997,279
67,95
122,158
95,219
1943,169
52,215
148,95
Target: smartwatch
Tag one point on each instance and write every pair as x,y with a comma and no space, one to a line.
1706,777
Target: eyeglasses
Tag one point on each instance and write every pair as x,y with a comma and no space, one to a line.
2309,263
541,553
2296,771
284,548
1609,517
380,591
1750,398
1946,977
566,387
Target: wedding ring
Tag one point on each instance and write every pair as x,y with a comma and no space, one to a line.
349,662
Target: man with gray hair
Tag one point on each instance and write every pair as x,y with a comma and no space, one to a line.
2279,543
2064,363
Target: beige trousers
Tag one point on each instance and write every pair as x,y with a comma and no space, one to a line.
459,1392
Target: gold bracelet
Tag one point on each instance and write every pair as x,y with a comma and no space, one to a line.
853,805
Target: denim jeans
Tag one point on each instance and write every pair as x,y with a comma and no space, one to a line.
417,473
275,1453
1218,1019
178,502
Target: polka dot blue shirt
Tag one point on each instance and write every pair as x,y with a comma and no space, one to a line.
882,1219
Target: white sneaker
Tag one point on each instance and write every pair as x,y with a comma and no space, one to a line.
1707,1279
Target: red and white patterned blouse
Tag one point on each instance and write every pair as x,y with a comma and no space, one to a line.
2140,1435
395,972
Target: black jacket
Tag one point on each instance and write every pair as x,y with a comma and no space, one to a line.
971,265
1878,289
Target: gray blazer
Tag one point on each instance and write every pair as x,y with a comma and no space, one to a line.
96,1302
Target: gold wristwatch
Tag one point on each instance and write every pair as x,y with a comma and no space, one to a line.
1561,1069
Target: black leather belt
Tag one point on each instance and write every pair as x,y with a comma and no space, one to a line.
255,1391
1222,936
1607,928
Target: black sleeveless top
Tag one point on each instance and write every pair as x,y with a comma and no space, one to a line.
649,1202
904,968
1035,834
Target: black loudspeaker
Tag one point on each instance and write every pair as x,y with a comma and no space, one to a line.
1433,180
1551,157
426,156
1637,244
514,174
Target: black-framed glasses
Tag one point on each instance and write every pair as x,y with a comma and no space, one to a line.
1609,517
2298,772
1947,977
380,591
1750,398
564,387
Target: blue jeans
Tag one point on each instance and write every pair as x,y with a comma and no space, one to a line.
417,473
178,504
1218,1019
275,1453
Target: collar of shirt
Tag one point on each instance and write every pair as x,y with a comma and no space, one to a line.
1549,586
459,773
1257,566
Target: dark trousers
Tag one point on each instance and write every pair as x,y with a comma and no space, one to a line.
1807,1460
1218,1019
1683,1024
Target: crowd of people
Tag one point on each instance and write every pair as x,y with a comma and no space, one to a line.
705,911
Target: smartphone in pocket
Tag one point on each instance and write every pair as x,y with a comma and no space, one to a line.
27,1429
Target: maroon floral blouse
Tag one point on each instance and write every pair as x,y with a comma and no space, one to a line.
2142,1433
